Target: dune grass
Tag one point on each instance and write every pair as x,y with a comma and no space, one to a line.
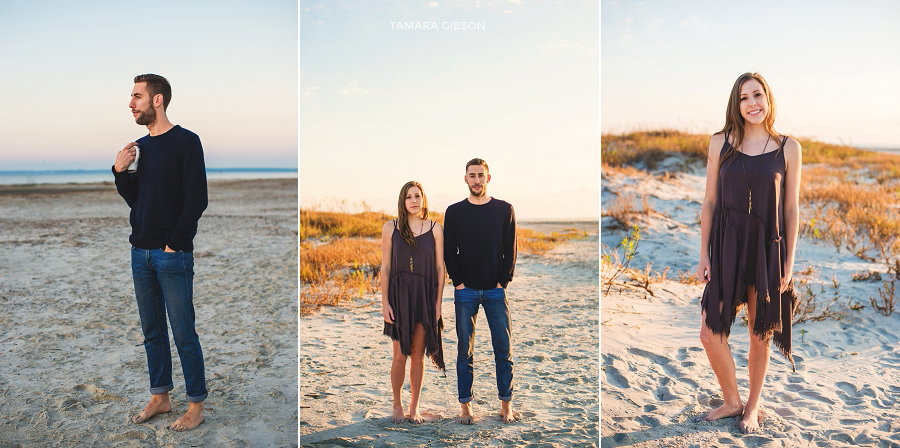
340,254
849,197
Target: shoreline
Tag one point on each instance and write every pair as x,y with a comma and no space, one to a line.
73,187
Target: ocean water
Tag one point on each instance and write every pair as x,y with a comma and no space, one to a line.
91,176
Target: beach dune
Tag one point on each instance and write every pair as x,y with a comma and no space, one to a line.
655,377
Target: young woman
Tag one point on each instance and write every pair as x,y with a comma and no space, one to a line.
748,237
412,282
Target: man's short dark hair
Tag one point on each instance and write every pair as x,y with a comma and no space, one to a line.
156,85
477,161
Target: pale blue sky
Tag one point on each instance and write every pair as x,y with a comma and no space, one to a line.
832,65
67,72
380,106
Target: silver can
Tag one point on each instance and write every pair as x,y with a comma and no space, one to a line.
137,155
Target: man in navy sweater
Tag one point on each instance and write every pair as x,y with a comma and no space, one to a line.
480,253
167,195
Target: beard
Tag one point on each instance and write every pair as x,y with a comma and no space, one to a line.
483,191
147,116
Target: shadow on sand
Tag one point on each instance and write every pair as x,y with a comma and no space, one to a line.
710,432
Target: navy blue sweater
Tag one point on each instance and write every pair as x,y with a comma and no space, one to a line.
167,194
480,243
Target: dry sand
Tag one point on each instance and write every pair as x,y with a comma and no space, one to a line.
72,364
345,391
655,377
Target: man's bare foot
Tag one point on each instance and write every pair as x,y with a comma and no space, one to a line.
191,419
724,411
466,417
159,404
507,414
399,416
415,417
750,421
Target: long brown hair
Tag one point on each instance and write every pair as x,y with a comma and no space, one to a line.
734,121
402,215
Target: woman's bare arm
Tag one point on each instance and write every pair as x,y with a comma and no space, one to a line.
386,232
709,203
794,158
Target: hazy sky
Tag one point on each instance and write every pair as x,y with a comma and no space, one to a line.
832,65
381,105
67,71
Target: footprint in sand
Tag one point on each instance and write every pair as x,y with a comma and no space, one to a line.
128,435
613,376
664,394
648,420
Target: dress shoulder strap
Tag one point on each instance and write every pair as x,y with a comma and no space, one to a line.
724,145
432,224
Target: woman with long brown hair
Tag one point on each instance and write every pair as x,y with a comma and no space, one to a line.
412,283
748,238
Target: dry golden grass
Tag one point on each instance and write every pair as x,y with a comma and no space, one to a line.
347,264
688,277
533,242
337,271
849,197
649,148
317,224
624,210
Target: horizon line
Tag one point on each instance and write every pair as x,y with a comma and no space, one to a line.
73,171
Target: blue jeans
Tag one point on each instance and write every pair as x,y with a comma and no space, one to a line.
496,310
165,281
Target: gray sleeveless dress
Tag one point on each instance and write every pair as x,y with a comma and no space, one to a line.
412,291
749,248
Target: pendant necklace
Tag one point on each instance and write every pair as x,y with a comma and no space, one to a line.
750,184
421,228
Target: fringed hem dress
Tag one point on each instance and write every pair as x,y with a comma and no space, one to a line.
412,294
748,247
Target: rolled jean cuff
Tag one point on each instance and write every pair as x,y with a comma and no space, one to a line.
161,389
509,398
465,400
199,399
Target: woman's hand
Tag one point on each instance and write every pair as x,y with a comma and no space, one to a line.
786,281
703,269
387,313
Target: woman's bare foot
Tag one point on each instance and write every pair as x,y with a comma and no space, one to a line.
159,404
507,414
724,411
191,419
750,421
415,417
466,416
399,416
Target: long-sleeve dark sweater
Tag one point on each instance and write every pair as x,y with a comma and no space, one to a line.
480,243
167,194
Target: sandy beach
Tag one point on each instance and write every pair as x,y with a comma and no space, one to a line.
72,364
345,391
655,377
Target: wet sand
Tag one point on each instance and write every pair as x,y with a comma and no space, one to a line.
72,364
